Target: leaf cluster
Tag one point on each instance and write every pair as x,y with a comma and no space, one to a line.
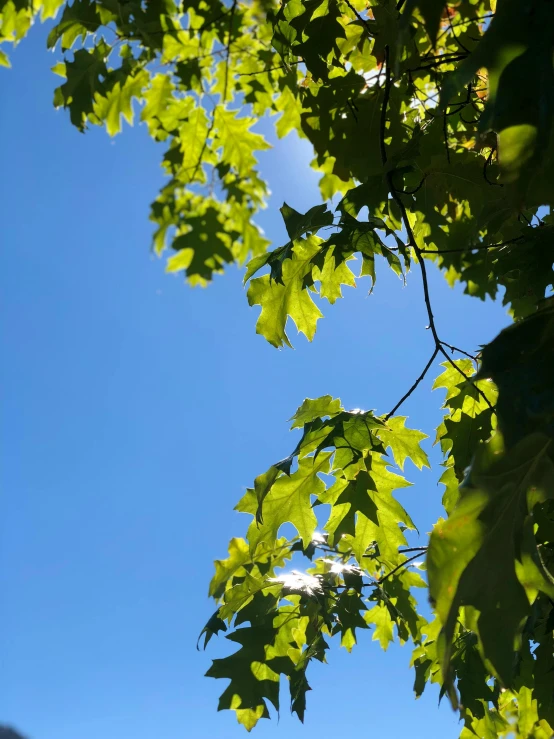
431,127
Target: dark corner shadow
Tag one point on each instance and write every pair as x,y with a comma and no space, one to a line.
6,732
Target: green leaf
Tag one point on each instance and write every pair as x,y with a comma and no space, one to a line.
350,614
278,301
288,501
118,102
380,617
239,555
84,79
298,224
517,52
364,511
470,420
238,143
310,410
405,443
290,108
202,250
157,96
478,557
193,133
431,10
434,123
354,499
252,682
519,360
212,628
333,276
78,19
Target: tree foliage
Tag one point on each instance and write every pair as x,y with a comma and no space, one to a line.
431,125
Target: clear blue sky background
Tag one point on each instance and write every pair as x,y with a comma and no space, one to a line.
136,410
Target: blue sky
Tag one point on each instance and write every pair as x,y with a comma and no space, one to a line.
135,412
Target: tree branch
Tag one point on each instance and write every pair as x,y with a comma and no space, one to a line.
411,238
486,166
466,22
376,583
228,52
477,247
445,134
439,62
269,69
414,386
224,94
460,351
415,189
398,567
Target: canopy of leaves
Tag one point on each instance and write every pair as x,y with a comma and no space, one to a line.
431,125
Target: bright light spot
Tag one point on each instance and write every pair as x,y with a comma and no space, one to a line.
318,538
371,78
299,582
338,568
418,563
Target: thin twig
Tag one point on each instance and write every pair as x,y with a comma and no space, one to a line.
486,166
460,351
383,121
438,57
211,21
472,122
522,215
414,386
361,19
224,94
398,567
445,132
466,22
456,39
269,69
415,189
375,583
476,247
352,109
439,62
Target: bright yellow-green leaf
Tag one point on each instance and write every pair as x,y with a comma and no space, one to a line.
288,501
405,443
238,142
278,301
379,616
118,102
